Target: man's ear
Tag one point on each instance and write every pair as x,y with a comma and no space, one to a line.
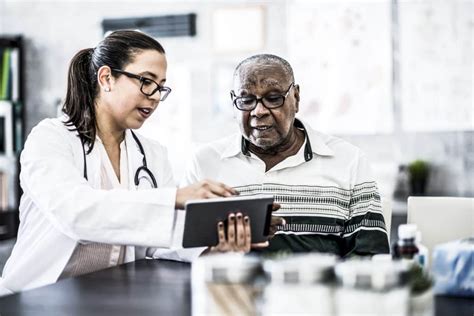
297,97
105,78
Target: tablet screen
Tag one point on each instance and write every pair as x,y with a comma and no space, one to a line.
202,216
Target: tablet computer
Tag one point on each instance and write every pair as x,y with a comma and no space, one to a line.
202,216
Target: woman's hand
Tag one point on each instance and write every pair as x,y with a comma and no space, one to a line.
202,190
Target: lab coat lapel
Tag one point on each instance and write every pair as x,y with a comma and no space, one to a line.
93,166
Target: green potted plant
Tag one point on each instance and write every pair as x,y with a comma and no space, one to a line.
419,171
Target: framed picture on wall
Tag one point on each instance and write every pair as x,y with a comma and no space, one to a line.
6,129
343,91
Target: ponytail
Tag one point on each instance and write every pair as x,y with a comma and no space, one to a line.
80,97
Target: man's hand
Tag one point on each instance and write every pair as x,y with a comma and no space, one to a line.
202,190
276,221
239,236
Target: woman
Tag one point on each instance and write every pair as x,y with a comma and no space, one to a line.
96,194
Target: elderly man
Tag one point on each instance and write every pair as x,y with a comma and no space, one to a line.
328,198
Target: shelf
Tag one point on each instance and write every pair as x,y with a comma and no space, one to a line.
14,41
12,128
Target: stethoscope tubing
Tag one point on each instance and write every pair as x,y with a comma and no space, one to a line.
143,168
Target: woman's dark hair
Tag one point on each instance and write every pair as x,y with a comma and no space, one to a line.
116,51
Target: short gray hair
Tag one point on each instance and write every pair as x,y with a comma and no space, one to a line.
267,59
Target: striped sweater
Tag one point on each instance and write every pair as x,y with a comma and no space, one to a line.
327,195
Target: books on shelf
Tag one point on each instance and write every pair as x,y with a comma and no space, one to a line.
9,74
15,74
3,191
12,117
6,128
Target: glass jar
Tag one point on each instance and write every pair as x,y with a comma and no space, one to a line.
223,284
300,284
367,287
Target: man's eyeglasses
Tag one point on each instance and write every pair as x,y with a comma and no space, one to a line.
148,86
270,101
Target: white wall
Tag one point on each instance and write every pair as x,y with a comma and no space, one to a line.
55,30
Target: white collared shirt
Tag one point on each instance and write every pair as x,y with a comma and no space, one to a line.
110,181
108,177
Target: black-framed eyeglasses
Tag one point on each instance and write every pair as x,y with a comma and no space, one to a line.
148,86
270,101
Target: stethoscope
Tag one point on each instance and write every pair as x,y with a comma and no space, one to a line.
143,169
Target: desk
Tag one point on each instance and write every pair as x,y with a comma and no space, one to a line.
144,287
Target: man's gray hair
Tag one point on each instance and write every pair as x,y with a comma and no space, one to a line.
267,59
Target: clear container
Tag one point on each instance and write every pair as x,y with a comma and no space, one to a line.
224,284
372,287
422,257
299,285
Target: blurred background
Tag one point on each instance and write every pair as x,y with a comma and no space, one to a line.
393,77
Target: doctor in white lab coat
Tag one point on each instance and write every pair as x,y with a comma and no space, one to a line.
95,194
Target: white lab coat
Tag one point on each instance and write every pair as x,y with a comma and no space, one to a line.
60,208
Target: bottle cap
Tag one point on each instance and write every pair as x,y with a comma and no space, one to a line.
407,231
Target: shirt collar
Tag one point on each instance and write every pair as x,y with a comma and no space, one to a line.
314,144
319,144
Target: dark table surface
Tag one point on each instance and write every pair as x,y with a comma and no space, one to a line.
144,287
